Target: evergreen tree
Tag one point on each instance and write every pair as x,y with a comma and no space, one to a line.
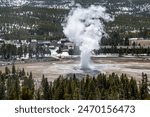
134,89
144,87
59,91
148,51
2,87
7,71
26,94
121,51
45,89
69,91
13,69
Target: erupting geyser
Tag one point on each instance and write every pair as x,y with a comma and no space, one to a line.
84,27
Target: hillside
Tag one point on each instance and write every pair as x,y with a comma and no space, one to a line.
42,19
30,22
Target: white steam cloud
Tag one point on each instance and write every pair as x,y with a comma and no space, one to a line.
85,28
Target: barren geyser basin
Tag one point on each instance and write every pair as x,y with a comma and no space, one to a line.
133,67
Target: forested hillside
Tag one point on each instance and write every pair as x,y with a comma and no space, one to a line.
31,23
113,1
42,19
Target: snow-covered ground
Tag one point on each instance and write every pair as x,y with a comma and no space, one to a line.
64,4
120,7
13,2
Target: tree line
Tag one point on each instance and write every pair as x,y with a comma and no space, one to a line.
11,52
135,51
16,84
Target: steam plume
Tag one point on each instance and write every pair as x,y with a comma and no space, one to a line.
84,27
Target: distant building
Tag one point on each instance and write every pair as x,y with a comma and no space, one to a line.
9,42
139,41
65,45
44,43
69,45
62,41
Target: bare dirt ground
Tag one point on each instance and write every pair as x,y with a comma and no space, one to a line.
133,67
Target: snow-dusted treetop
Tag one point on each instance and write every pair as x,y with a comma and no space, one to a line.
14,2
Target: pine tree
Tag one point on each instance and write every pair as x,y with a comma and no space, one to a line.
148,51
121,52
59,90
26,94
45,88
91,90
23,72
127,88
134,89
2,87
68,90
7,71
28,87
16,88
86,87
13,69
31,82
20,51
10,89
76,94
144,87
